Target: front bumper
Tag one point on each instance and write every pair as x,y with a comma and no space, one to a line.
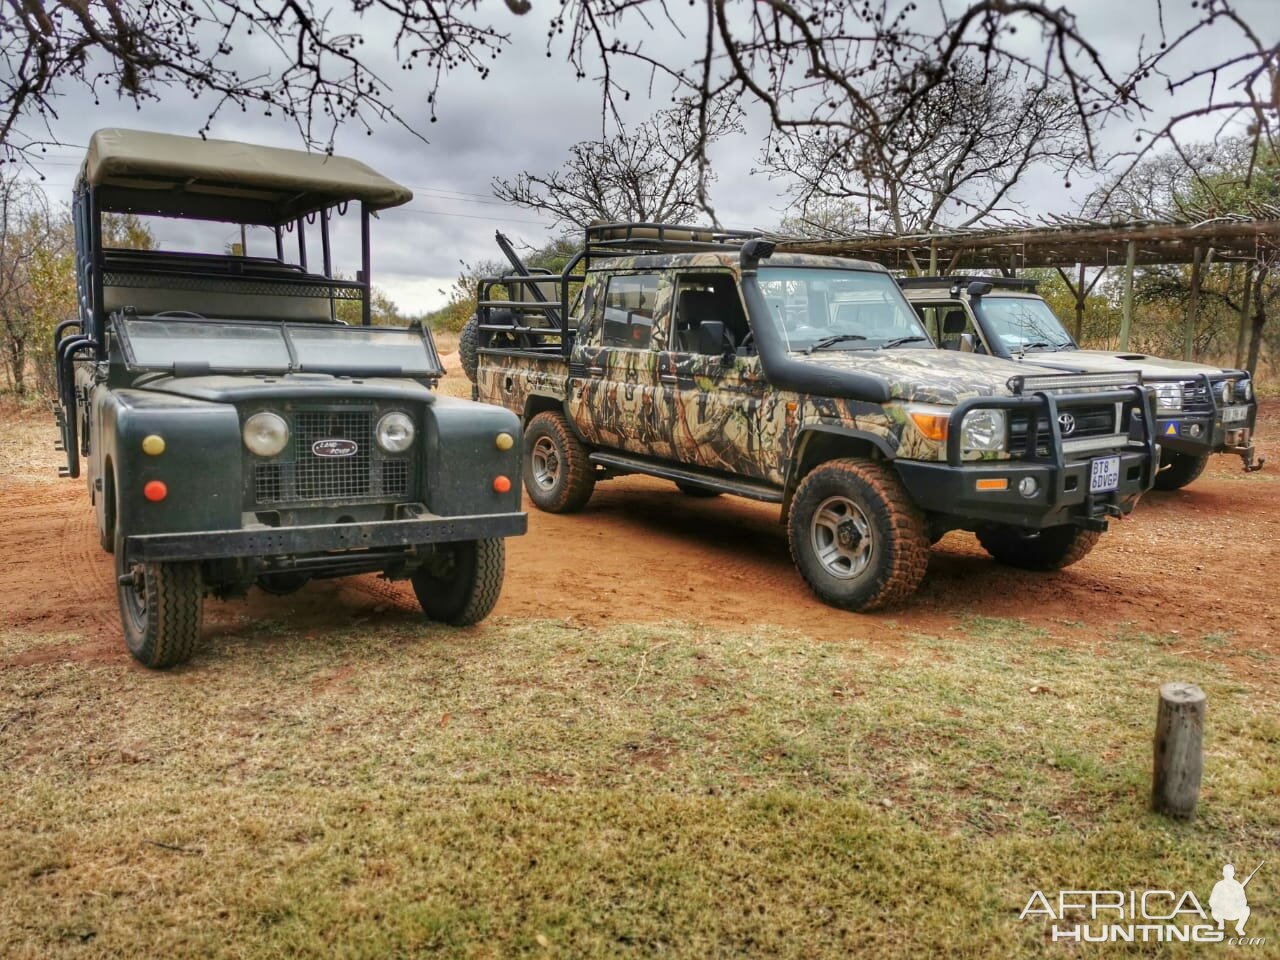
1062,495
337,538
1062,477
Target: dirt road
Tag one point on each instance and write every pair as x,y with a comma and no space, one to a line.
1190,564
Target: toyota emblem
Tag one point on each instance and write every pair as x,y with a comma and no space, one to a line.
1068,424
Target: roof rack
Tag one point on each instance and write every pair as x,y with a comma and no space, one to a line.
1008,283
614,239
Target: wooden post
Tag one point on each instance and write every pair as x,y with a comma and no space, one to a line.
1126,310
1242,338
1193,308
1080,294
933,258
1175,781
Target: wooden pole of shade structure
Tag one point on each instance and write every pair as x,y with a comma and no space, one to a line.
1242,338
1126,311
1193,308
1179,760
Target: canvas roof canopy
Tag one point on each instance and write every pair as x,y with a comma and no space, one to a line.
138,171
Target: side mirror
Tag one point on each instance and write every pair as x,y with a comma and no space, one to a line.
968,343
711,337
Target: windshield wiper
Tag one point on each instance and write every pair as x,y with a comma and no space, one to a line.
833,340
899,341
1032,346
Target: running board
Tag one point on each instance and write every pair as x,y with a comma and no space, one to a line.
659,468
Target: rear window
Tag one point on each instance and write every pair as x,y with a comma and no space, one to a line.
628,310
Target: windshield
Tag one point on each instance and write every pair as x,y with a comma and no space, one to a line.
839,309
1023,323
195,346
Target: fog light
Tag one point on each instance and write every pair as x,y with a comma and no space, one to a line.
504,441
502,484
1028,487
155,490
1195,430
153,445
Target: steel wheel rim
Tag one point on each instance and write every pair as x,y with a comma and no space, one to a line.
545,459
842,538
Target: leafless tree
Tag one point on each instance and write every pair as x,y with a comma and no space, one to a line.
808,62
950,161
649,173
32,238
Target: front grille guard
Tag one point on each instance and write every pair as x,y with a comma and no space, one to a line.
1135,399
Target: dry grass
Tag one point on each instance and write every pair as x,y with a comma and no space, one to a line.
533,788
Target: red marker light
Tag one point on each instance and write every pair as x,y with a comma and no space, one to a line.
502,484
155,490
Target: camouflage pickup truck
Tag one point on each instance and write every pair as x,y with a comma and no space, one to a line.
232,429
722,363
1200,409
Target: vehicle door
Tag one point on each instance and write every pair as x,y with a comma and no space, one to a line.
612,401
713,409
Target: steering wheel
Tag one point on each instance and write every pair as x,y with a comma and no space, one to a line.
185,314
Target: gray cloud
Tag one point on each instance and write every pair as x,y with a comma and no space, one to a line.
524,116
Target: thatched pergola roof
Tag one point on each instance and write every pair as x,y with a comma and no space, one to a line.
1064,243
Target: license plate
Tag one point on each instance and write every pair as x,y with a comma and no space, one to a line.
1234,414
1104,474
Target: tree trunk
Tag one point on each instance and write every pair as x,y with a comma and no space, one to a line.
1179,760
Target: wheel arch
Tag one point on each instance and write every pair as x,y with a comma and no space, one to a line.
820,443
539,403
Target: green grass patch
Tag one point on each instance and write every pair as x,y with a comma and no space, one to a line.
537,788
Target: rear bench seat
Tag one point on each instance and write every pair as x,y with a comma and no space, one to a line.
137,278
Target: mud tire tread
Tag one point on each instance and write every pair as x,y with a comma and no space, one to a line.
899,523
578,478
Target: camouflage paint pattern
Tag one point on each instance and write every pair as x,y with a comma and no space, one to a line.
704,411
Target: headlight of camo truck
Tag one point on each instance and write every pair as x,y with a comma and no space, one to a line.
1244,390
983,431
1168,396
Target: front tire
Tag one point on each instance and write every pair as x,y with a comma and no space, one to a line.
460,586
161,609
1050,549
856,537
557,473
1178,469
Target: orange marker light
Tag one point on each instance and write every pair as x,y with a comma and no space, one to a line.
502,484
155,490
932,425
998,483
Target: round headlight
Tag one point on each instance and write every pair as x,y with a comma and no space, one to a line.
266,434
395,432
1244,390
983,430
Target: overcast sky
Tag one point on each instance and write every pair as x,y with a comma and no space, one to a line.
523,117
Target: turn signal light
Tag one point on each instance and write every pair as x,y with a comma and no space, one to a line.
992,483
153,445
504,441
155,490
932,425
502,484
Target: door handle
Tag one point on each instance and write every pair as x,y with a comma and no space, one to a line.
668,378
596,370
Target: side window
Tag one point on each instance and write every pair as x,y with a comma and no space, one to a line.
711,296
628,311
950,323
